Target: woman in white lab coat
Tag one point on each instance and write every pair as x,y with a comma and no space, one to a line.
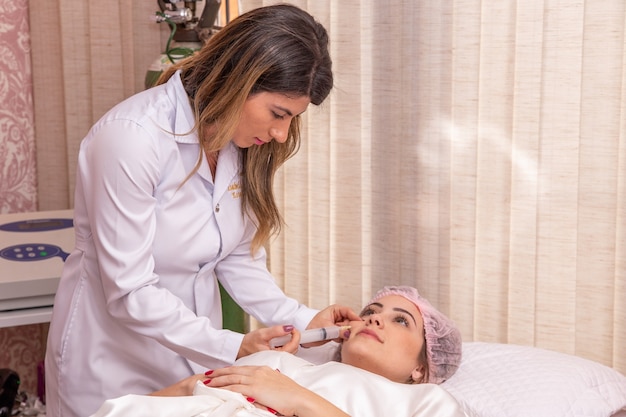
173,193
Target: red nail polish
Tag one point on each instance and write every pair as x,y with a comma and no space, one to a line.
271,410
288,328
209,372
250,399
206,381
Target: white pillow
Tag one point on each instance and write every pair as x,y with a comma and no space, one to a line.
501,380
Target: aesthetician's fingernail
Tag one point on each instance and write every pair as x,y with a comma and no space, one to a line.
206,381
271,410
288,328
209,372
250,399
346,334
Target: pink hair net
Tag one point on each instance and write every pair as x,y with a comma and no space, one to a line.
443,339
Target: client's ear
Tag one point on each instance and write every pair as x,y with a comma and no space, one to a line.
417,375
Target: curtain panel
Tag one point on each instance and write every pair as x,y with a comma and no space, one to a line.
87,56
473,149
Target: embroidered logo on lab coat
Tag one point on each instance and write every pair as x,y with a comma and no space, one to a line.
235,189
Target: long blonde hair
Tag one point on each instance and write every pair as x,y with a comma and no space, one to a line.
277,49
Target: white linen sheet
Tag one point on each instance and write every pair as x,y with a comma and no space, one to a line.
357,392
206,402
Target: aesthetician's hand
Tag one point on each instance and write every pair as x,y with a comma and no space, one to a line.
333,315
258,340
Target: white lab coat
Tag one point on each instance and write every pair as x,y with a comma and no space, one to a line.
138,306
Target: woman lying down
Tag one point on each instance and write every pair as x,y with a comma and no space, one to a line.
389,365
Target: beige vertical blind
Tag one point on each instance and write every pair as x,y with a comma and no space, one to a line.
473,149
87,56
477,151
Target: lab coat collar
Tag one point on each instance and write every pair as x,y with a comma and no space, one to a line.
228,162
184,119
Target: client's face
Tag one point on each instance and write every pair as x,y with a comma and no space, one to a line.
388,341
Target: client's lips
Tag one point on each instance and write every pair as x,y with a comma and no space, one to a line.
369,333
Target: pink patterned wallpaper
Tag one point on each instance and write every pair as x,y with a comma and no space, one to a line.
17,136
22,347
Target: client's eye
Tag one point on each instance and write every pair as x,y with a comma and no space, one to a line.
367,312
402,320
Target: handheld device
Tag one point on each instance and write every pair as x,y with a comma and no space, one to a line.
311,335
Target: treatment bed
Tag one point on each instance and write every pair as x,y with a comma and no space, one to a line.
494,380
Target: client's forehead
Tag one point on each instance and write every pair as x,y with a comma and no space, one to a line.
393,299
398,302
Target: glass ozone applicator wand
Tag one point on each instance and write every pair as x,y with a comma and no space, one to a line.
311,335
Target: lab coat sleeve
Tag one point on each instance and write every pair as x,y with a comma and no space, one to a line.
119,197
246,278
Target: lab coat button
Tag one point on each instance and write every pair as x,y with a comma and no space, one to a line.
217,208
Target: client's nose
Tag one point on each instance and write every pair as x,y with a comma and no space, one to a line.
375,320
